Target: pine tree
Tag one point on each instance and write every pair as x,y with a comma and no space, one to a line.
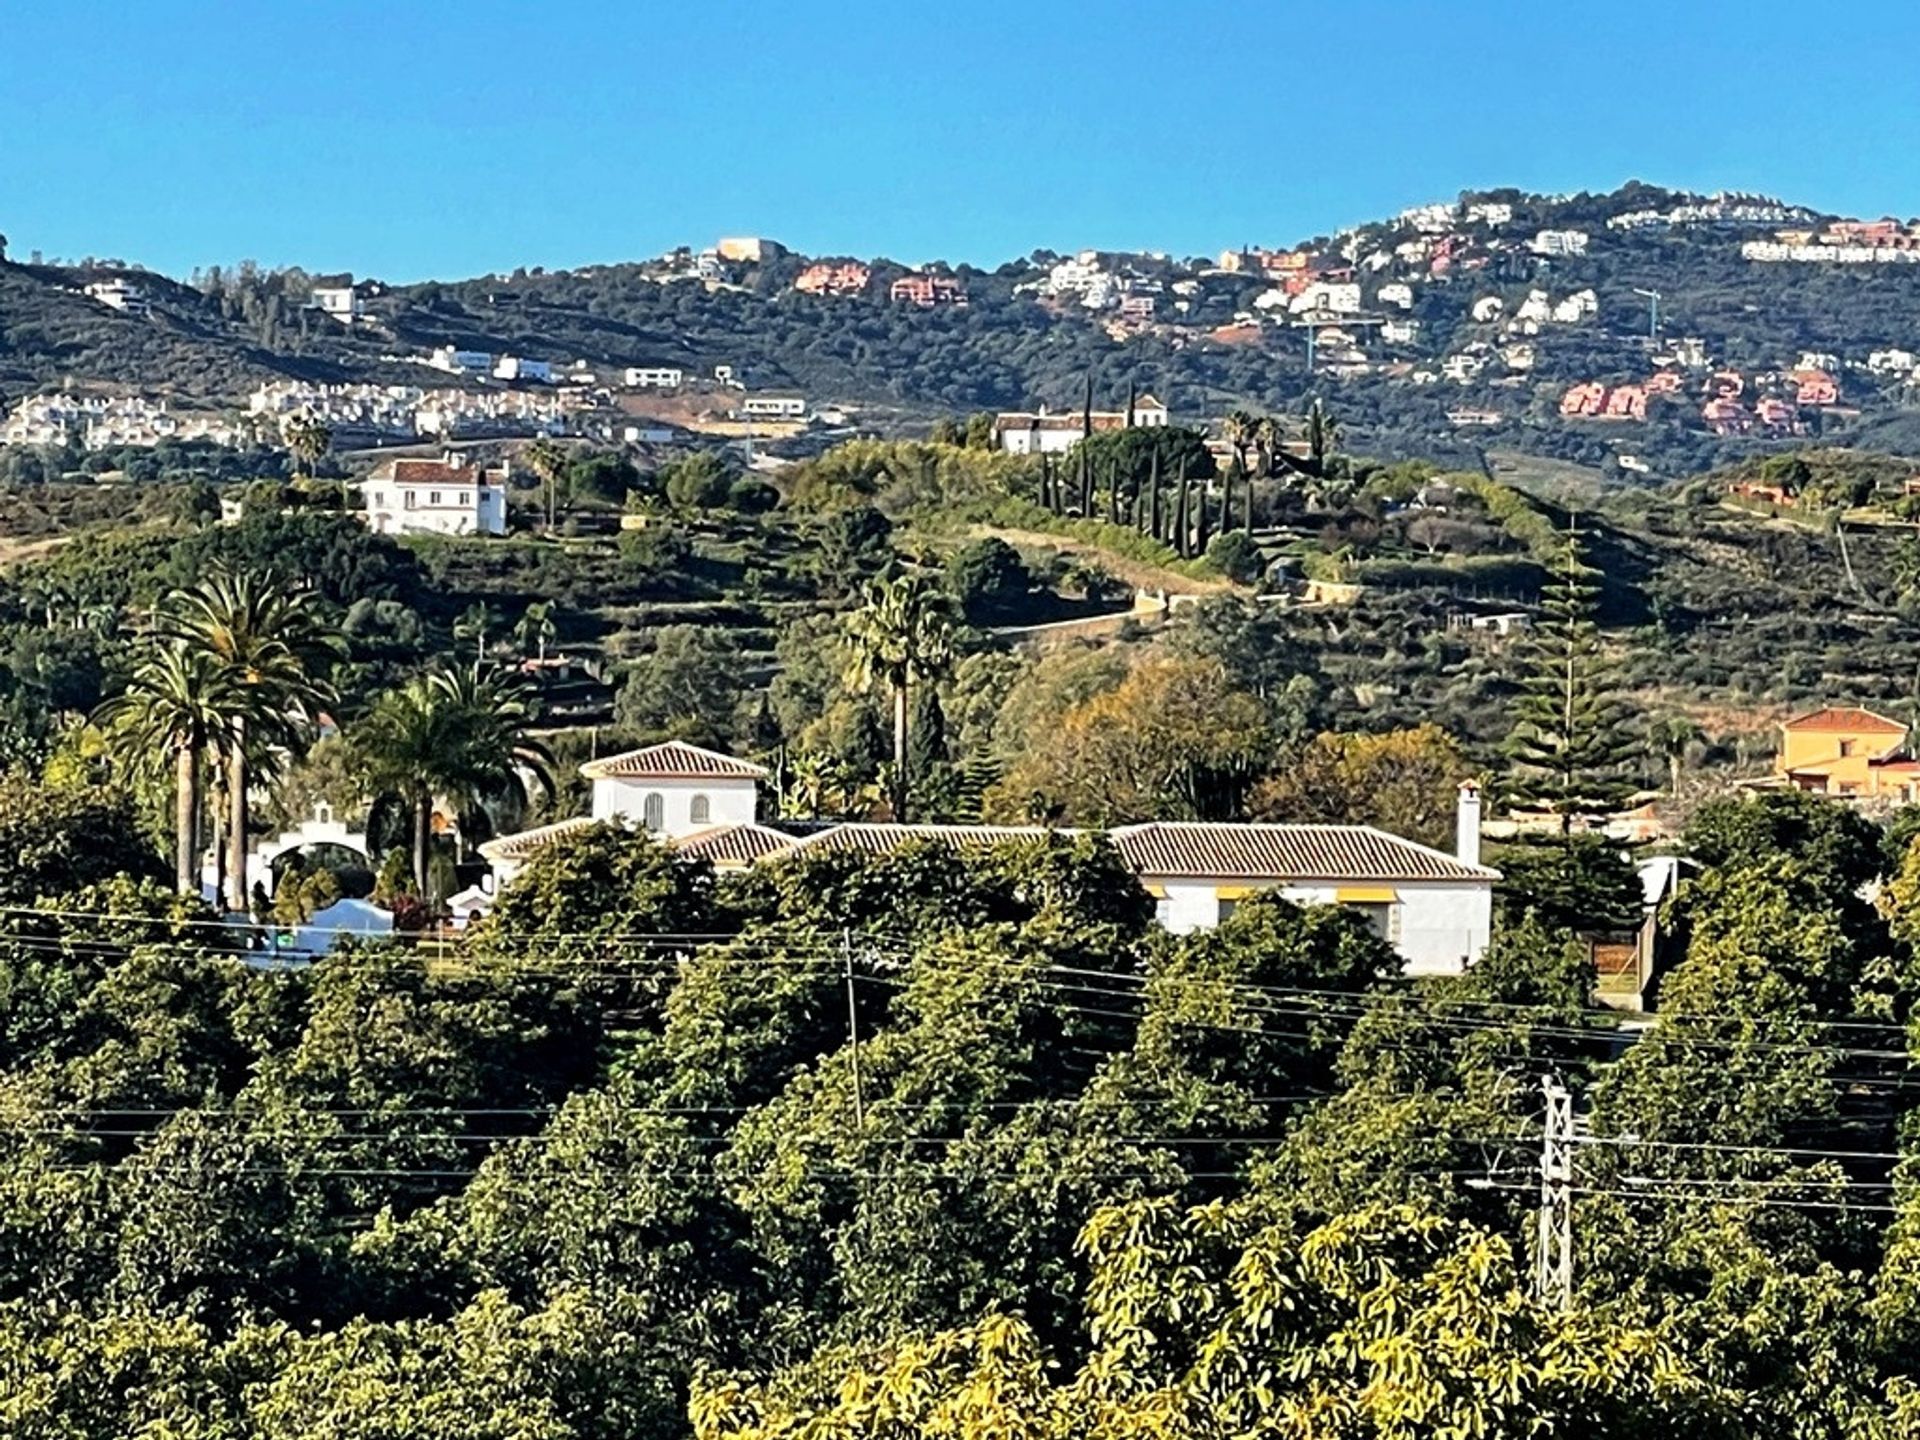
1570,746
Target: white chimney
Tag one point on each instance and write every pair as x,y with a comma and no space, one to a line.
1466,842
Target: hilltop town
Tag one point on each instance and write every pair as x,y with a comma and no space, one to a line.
1642,333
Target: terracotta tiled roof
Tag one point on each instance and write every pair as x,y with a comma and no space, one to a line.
1845,717
882,839
435,472
526,842
734,844
672,760
1284,852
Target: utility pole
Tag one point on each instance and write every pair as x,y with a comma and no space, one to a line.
1553,1265
1653,314
853,1033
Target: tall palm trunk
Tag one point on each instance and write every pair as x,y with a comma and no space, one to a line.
422,838
186,820
237,897
900,778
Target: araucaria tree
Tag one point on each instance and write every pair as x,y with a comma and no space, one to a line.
1570,745
900,635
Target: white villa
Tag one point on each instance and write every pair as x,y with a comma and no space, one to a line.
1435,908
448,496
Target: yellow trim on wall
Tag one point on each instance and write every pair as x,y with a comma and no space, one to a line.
1367,894
1236,892
1158,892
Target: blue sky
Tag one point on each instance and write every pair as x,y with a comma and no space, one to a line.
413,139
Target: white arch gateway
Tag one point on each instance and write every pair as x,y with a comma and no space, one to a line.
322,829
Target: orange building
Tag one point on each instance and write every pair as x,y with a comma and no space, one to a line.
1848,751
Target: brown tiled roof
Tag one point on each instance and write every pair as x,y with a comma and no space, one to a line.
435,472
1845,717
672,760
1206,850
883,839
734,844
519,846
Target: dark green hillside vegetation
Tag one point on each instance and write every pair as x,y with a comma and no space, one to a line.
904,1117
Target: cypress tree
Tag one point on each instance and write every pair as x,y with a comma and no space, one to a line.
1086,409
1246,507
1179,537
1570,746
1226,498
1113,492
1046,484
1086,483
1200,518
1151,518
1133,398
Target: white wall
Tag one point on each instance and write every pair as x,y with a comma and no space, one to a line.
1442,926
387,512
729,802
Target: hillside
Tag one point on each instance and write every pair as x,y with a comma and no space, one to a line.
1446,331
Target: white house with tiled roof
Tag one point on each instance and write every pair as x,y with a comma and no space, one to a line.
674,789
1436,909
448,496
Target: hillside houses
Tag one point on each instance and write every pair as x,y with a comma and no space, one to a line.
100,422
825,278
927,291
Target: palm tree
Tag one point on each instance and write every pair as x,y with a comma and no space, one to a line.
454,733
903,633
536,628
474,623
546,460
172,708
273,656
1241,428
308,438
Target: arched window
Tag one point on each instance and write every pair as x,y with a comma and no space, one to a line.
700,812
653,811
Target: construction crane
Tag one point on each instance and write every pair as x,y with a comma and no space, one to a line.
1653,314
1314,322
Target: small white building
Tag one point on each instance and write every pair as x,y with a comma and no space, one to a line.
449,496
773,407
1399,332
1337,297
653,377
518,367
461,362
121,295
1559,242
1397,292
337,296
